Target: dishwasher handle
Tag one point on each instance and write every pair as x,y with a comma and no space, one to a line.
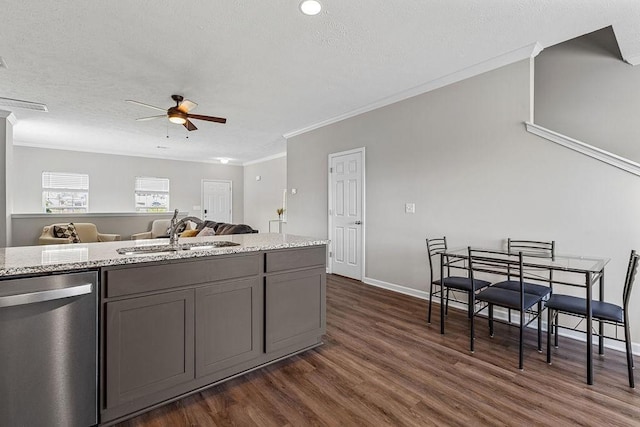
42,296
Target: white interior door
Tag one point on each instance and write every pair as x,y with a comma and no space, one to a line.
346,213
216,201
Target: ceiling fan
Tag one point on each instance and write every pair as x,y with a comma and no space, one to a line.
180,113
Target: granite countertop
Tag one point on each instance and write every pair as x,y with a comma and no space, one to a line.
23,260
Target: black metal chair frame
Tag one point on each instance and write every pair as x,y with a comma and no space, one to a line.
435,247
539,249
497,262
552,325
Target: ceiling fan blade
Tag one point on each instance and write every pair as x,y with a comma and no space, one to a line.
145,105
189,125
186,106
207,118
142,119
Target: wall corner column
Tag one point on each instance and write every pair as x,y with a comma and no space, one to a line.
7,121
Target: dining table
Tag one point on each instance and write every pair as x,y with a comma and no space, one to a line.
578,271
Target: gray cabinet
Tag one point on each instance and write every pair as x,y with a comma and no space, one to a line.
173,327
295,308
150,342
228,325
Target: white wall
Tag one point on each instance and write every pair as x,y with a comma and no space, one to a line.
112,179
263,197
462,155
6,178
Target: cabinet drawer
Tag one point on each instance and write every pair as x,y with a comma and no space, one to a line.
290,259
138,279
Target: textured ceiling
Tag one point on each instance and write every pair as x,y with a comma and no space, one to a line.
260,63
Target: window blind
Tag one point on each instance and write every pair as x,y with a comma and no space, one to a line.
147,184
65,181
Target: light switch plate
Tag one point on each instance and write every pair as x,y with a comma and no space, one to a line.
410,208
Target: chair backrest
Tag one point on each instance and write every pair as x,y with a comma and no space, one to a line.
632,269
435,247
496,262
87,231
532,247
160,227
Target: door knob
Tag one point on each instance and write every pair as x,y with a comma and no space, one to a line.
358,222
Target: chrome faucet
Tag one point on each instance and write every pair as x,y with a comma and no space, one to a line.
175,225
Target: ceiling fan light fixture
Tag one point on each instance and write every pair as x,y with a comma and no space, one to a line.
177,117
310,7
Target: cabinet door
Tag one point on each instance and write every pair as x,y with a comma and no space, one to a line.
294,307
149,345
228,325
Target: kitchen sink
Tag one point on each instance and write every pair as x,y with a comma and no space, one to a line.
158,249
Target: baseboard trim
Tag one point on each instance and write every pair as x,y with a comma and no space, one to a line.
397,288
499,313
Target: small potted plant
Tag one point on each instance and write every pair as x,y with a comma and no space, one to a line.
280,211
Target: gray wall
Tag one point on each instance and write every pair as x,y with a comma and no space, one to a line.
462,155
585,91
27,228
112,179
262,198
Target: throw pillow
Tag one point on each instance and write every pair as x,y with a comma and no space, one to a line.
189,233
207,232
66,231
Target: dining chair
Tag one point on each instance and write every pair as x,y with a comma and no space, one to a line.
601,311
438,246
535,248
510,265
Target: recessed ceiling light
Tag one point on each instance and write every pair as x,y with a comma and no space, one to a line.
224,160
310,7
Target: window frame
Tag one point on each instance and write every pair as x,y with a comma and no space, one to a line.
149,191
79,192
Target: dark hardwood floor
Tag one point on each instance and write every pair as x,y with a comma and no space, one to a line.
382,364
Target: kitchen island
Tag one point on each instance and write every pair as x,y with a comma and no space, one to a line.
171,323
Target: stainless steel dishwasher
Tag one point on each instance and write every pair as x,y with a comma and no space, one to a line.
48,350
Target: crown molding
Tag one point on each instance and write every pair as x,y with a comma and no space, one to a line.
112,152
265,159
525,52
586,149
9,116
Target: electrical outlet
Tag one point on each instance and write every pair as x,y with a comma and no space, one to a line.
410,208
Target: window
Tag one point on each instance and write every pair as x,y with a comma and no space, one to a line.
152,194
65,192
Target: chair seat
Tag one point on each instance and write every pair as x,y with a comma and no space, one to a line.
577,305
529,288
462,283
507,298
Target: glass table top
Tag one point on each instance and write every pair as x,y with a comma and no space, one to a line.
572,263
